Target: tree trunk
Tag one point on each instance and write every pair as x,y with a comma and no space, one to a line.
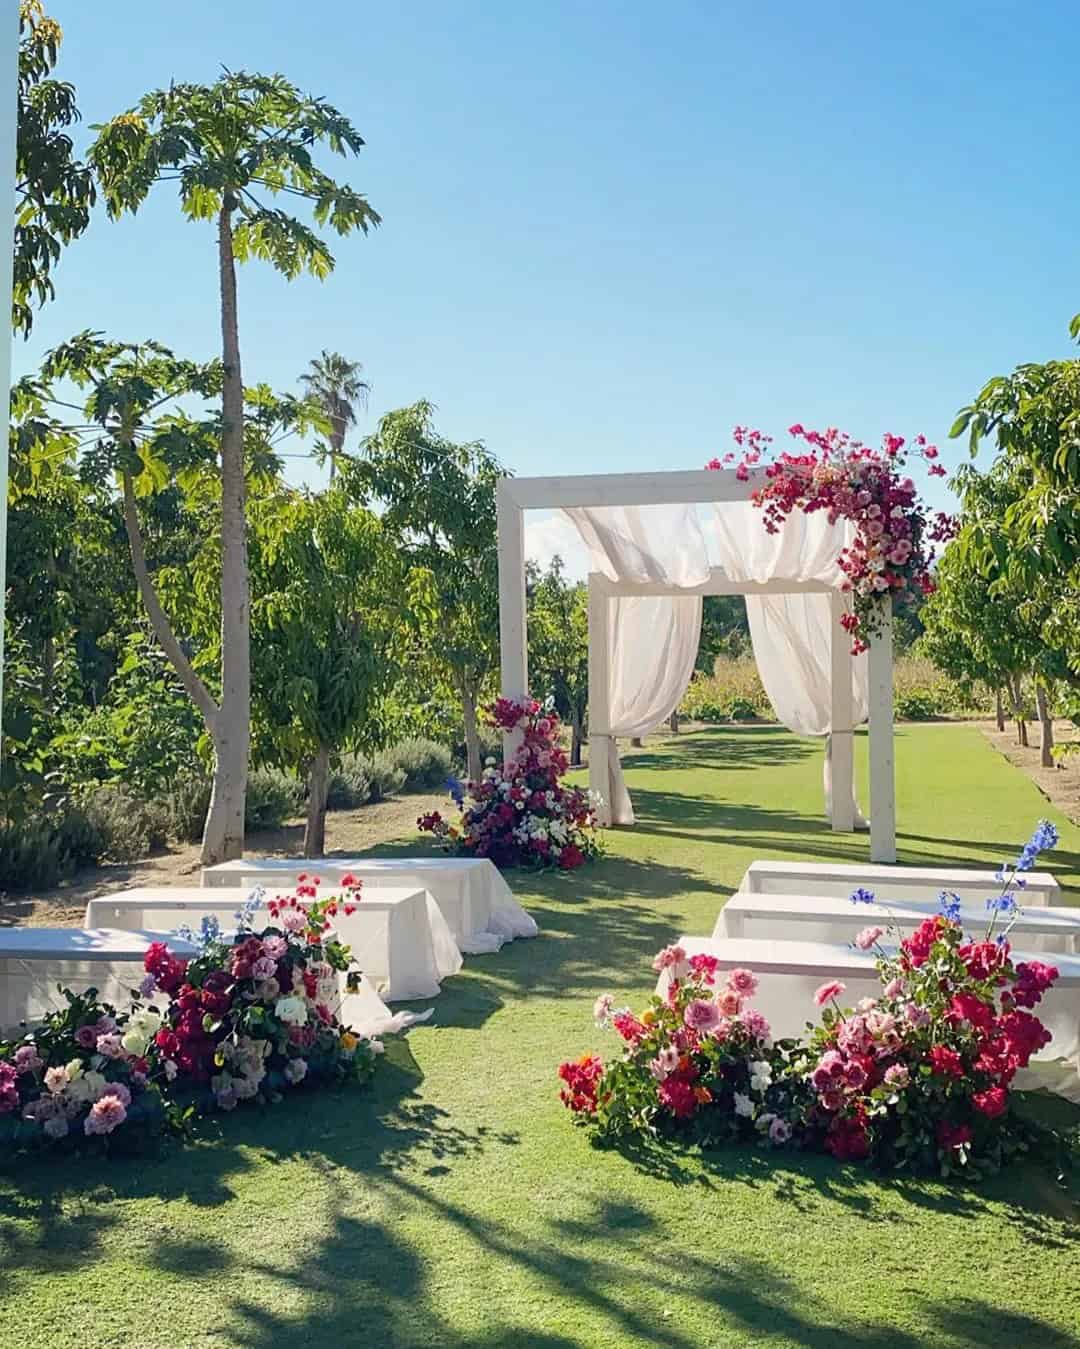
224,835
575,739
1046,722
472,736
674,722
1016,695
315,825
999,708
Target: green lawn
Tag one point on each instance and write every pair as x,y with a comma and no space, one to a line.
454,1205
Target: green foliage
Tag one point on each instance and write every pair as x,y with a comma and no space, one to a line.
425,763
125,825
273,797
227,144
145,734
54,191
327,624
733,692
558,623
350,783
38,850
438,502
725,631
187,804
916,707
387,776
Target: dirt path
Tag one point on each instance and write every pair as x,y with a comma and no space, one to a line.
347,832
1060,785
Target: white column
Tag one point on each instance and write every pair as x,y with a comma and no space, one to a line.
882,768
841,747
9,114
599,697
513,637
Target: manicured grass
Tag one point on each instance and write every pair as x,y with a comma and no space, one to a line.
454,1205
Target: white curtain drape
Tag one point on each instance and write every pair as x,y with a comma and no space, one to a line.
652,646
652,640
792,634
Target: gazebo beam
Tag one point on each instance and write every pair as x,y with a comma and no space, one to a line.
513,643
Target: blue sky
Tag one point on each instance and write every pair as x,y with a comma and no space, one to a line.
612,231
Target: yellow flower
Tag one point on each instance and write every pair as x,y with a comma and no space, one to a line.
348,1041
648,1018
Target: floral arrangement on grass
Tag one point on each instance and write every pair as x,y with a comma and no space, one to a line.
82,1079
255,1014
521,815
919,1078
891,553
698,1061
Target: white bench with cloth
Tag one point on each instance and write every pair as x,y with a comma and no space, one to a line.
475,900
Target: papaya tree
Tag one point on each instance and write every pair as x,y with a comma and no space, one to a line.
227,147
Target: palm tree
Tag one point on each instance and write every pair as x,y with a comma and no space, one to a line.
337,385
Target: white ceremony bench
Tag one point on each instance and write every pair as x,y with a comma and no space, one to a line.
34,960
974,886
398,937
475,900
789,972
828,918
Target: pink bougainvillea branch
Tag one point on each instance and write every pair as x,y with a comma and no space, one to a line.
891,553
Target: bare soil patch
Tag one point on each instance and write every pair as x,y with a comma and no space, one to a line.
1060,785
348,832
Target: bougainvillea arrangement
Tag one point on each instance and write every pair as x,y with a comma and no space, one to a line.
253,1015
521,814
918,1078
891,553
83,1078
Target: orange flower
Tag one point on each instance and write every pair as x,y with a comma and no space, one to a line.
648,1018
702,1095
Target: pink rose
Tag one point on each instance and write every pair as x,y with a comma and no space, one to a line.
828,992
743,982
868,937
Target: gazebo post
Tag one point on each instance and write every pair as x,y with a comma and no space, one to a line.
599,696
882,766
513,635
842,734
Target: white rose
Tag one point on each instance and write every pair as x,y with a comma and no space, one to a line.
293,1011
744,1105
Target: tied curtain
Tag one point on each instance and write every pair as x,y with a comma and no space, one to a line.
653,640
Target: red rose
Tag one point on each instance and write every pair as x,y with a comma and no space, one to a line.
967,1007
984,959
992,1102
678,1096
952,1135
946,1061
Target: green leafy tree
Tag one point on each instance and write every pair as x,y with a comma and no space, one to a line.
227,146
559,645
137,429
54,190
336,384
438,501
327,635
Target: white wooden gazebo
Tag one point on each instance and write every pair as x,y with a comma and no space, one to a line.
644,490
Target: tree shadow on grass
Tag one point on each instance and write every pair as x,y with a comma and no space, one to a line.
616,1267
747,747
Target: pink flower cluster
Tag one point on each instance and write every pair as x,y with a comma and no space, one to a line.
890,554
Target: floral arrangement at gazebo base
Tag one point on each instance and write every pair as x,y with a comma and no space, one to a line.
253,1016
521,814
917,1079
891,556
